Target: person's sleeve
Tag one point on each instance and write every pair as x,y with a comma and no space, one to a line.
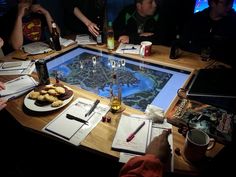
142,166
70,5
119,25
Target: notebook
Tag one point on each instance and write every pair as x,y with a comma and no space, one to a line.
127,126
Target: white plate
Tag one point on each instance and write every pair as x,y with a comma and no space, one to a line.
29,103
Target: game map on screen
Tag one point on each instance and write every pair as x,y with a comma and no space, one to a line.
141,83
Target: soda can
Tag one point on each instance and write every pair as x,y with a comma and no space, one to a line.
42,72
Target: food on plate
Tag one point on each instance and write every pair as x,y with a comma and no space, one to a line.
53,95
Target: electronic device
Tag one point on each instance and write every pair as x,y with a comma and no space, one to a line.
142,83
214,87
202,4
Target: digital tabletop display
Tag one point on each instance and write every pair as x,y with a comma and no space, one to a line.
142,83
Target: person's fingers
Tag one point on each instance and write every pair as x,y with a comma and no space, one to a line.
166,132
3,104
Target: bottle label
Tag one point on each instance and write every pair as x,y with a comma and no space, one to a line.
99,39
110,43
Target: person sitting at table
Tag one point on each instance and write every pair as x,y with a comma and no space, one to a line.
151,164
212,32
2,102
32,23
138,22
79,20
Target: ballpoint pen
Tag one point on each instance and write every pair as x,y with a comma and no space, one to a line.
69,116
132,135
92,108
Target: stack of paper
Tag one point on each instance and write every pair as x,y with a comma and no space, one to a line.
17,67
66,42
84,39
36,48
17,87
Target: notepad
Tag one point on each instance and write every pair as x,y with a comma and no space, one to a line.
128,49
127,125
20,84
65,127
73,130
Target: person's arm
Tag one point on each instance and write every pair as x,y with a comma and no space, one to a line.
151,164
16,38
92,27
37,8
2,102
1,42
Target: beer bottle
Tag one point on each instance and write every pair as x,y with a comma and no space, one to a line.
99,37
110,37
115,97
174,51
55,37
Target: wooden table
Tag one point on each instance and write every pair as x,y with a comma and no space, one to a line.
100,138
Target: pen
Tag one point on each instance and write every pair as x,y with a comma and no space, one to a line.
69,116
92,108
132,135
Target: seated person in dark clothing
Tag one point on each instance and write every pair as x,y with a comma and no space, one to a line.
137,22
27,22
83,16
213,30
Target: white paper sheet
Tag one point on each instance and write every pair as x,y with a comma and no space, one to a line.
156,130
74,131
127,126
18,85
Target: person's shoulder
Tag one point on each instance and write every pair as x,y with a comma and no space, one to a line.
202,14
129,9
232,15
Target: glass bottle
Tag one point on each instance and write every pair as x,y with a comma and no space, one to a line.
42,72
110,37
115,94
99,37
55,37
174,51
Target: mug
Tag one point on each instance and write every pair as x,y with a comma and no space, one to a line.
145,48
196,144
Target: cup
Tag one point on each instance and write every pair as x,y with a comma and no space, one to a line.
145,48
196,144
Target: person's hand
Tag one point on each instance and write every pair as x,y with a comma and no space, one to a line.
23,9
160,147
1,42
37,8
146,34
124,39
2,87
93,29
2,104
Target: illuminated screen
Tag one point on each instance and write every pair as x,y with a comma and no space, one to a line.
142,83
202,4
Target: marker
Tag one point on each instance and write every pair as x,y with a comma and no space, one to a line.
69,116
92,108
132,135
